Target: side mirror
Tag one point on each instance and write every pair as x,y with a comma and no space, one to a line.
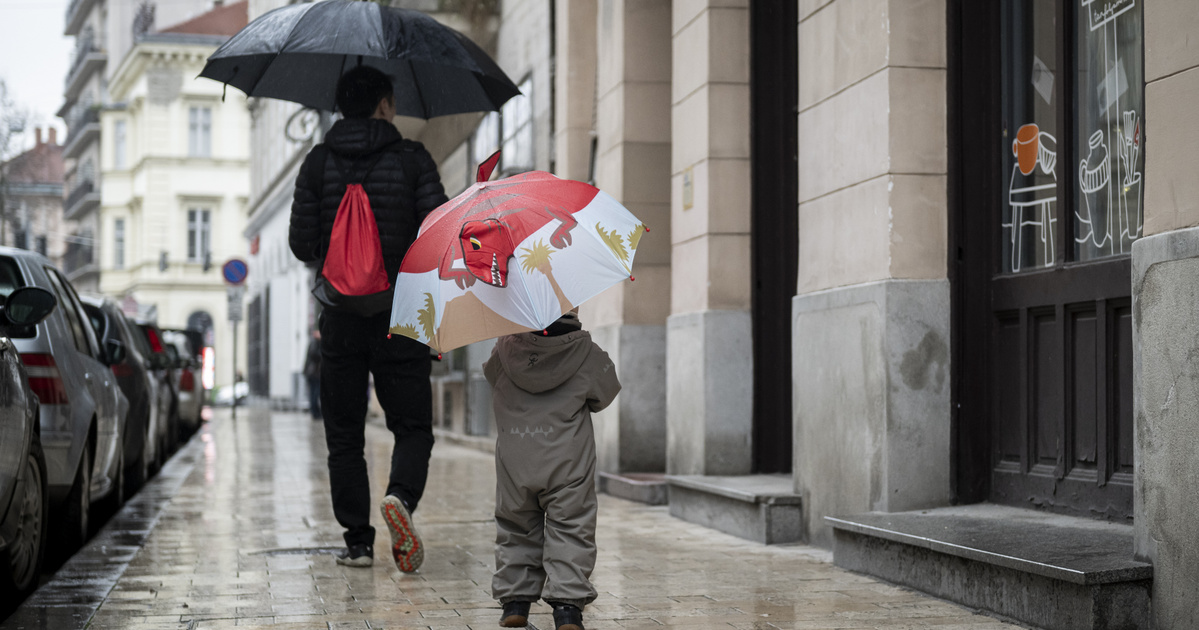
114,352
29,305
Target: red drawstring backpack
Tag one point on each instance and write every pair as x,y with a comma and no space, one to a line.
353,277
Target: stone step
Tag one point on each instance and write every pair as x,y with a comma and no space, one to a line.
762,508
647,488
1045,570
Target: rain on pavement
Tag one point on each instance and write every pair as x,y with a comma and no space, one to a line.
238,532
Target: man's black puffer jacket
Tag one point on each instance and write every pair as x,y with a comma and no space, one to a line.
400,199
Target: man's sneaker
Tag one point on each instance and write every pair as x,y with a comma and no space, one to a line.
356,556
515,615
406,547
567,616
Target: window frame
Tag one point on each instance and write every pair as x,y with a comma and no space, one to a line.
199,131
199,233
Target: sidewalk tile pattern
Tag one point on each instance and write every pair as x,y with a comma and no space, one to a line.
247,541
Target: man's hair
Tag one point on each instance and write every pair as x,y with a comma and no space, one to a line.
360,90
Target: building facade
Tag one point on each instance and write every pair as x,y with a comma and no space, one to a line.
103,31
907,260
31,187
175,165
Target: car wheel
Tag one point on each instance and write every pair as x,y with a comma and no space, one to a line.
28,546
79,504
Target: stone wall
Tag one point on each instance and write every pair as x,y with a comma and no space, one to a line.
1165,291
871,321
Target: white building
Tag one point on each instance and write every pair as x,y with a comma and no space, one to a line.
175,164
103,30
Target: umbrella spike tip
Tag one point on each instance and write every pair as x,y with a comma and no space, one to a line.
389,335
632,279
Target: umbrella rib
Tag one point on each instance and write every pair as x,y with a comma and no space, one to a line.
420,97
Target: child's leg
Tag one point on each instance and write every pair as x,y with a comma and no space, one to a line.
570,514
520,535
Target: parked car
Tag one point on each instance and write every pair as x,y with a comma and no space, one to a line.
195,340
82,410
160,363
23,499
189,390
137,382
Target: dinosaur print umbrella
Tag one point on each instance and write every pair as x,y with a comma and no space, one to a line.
511,256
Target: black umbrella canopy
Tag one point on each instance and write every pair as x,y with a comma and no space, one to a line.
297,53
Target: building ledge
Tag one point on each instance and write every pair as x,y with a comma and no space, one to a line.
762,508
1042,569
647,488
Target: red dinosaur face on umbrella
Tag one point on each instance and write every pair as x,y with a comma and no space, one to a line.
486,247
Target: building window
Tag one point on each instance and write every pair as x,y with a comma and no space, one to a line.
41,245
516,118
118,244
199,234
118,145
199,131
485,140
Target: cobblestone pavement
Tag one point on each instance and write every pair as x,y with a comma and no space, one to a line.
238,533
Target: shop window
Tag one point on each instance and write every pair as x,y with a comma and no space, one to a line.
1098,175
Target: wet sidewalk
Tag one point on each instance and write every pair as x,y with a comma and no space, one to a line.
237,532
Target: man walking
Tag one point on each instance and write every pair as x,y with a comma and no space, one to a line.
401,182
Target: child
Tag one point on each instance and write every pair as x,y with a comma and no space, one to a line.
544,387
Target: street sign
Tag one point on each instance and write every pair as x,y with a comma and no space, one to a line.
235,271
234,308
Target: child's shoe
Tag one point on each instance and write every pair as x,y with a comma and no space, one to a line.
406,548
567,616
515,615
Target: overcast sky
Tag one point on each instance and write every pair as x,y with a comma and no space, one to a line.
33,58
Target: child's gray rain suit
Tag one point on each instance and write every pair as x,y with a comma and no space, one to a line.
543,392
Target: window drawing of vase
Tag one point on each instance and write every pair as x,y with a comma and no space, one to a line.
1032,202
1094,173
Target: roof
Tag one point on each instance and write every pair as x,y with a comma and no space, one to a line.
40,165
224,20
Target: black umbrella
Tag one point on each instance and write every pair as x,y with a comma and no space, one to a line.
298,52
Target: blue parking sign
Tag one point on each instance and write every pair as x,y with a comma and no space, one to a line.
235,271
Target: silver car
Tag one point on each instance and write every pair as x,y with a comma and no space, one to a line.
82,408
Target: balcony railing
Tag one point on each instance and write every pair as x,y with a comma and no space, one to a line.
84,189
88,59
76,15
77,256
90,115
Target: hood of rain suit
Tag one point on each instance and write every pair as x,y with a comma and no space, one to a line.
537,363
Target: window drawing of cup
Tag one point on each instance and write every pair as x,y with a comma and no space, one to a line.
1026,146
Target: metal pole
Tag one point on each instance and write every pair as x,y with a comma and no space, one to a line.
235,370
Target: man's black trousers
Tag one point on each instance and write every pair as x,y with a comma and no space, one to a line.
352,346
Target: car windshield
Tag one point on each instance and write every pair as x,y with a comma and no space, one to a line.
10,276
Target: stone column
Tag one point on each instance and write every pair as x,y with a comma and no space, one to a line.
871,320
709,371
1165,295
574,107
632,118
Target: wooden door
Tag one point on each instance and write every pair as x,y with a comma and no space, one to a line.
1047,100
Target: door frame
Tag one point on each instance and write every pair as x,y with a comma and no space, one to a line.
974,182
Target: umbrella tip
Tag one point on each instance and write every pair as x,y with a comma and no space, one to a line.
632,279
545,333
389,335
438,356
